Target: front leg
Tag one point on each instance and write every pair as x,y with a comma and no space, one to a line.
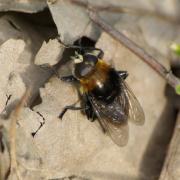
86,107
99,53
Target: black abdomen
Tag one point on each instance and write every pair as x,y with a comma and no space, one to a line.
109,89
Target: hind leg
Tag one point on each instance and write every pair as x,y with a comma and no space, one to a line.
90,113
123,74
71,107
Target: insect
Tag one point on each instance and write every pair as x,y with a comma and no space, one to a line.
104,94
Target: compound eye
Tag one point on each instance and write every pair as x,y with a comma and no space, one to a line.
86,67
90,59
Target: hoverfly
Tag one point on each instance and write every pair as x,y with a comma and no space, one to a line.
104,95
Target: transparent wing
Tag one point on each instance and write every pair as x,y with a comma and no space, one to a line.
119,133
117,130
136,113
114,117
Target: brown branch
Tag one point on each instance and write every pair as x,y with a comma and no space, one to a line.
12,133
133,47
123,9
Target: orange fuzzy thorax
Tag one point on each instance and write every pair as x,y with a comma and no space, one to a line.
97,77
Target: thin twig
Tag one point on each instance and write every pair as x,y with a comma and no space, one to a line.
125,41
12,133
122,9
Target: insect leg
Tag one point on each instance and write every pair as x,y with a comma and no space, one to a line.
69,78
91,116
71,107
90,113
99,55
123,74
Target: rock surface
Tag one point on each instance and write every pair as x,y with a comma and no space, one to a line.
23,5
76,147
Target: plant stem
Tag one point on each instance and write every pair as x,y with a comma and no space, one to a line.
124,9
133,47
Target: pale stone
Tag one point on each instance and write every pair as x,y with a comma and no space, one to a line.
49,53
